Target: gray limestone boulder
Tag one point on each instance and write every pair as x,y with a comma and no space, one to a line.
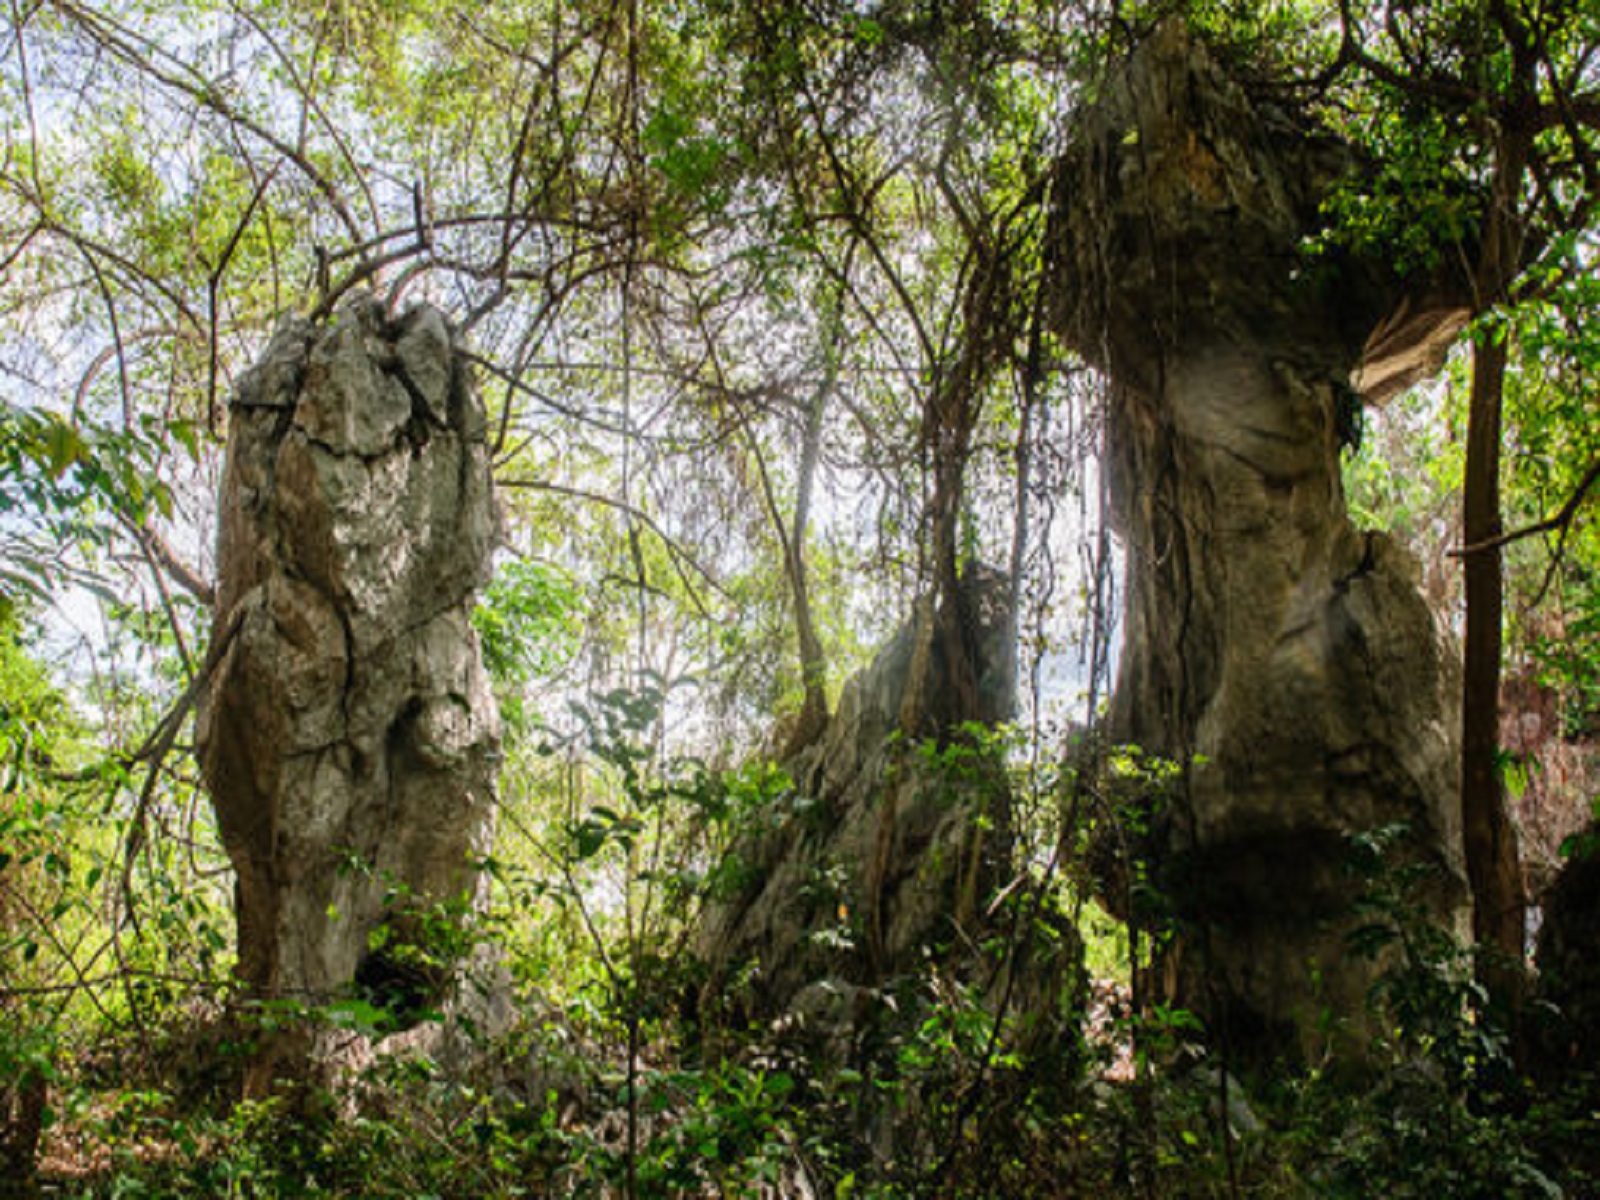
881,867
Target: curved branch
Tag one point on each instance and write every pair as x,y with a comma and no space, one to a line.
1560,520
307,95
120,349
213,288
162,555
118,40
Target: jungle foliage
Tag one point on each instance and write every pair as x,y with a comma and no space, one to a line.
757,294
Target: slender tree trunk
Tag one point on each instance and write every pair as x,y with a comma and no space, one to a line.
954,404
1493,870
948,428
1032,374
791,538
813,660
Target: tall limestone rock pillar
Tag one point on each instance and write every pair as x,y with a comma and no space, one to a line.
347,733
1286,659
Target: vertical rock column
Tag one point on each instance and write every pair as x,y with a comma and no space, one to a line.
347,733
1285,659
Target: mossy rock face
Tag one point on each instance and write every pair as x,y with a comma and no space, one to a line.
878,870
881,919
878,858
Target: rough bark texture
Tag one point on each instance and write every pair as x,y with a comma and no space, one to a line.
885,857
1285,658
1494,868
348,733
23,1100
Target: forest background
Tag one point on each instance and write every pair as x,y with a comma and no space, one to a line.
758,299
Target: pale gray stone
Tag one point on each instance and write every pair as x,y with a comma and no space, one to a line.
347,731
423,353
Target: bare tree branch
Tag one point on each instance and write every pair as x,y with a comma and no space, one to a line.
676,551
171,563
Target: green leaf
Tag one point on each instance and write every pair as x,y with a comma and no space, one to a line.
64,447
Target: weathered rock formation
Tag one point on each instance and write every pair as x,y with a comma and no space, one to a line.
886,854
1284,658
347,731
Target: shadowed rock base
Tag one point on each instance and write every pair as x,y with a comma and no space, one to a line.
1567,1021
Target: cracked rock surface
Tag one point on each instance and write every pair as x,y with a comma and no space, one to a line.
347,732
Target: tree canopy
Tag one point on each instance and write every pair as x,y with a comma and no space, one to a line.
763,302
